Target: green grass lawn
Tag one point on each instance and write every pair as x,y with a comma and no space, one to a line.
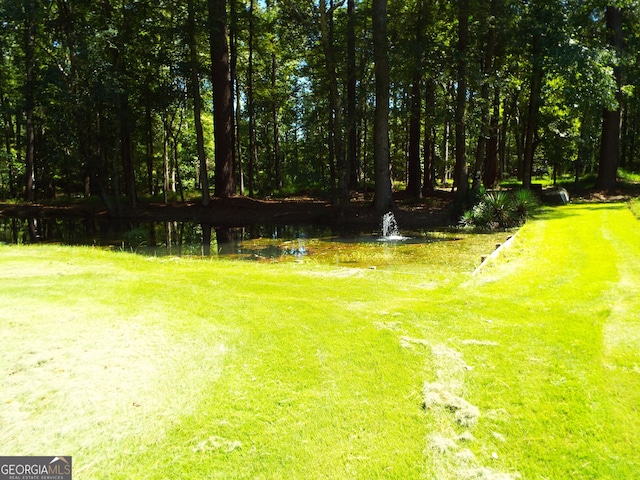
157,368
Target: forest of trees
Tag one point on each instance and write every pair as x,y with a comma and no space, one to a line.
125,98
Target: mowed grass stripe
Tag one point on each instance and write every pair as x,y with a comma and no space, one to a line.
552,302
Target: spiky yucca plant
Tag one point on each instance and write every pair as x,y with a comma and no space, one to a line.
467,219
500,209
525,203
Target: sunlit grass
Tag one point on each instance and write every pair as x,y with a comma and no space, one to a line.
629,177
197,368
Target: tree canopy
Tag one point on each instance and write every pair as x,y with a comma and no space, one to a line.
126,98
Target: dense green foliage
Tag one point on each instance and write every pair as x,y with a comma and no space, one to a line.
500,209
176,368
98,97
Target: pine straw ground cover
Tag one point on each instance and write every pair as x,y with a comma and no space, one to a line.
188,368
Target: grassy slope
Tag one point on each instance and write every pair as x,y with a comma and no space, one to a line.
167,368
570,328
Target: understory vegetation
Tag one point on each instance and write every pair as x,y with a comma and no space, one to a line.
425,367
500,209
261,98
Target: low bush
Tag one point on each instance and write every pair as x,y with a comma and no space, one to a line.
500,209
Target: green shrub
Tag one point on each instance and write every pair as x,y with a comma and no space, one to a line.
500,209
467,219
499,206
525,203
483,216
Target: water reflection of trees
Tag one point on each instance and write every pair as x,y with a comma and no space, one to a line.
228,240
154,238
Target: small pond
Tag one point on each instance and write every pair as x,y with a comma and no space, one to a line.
257,243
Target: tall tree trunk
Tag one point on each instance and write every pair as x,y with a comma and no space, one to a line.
502,138
352,121
429,148
253,149
610,146
222,98
485,99
194,85
239,155
107,169
165,156
277,160
331,158
233,61
624,135
414,170
415,115
532,114
126,149
169,160
30,43
8,142
519,128
632,128
112,166
449,120
149,140
461,181
491,168
176,175
383,197
274,104
335,105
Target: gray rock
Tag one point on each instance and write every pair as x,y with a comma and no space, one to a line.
556,196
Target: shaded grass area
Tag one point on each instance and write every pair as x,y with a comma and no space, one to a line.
185,368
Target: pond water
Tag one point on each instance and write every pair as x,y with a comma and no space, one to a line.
258,243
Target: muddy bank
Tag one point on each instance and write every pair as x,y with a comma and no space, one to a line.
244,211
